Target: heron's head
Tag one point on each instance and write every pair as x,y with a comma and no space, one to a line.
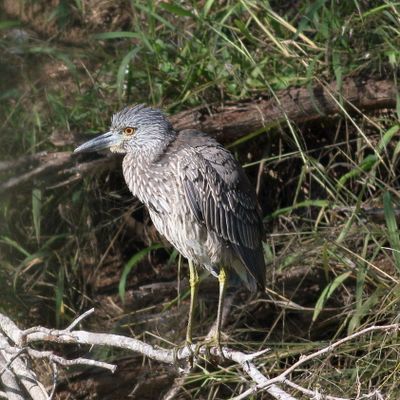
136,128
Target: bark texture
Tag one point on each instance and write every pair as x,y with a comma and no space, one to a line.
233,120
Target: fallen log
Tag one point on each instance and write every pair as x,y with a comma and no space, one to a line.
235,119
226,122
52,170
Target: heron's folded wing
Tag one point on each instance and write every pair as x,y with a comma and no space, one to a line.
221,197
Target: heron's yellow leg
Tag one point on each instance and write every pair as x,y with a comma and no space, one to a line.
194,284
222,278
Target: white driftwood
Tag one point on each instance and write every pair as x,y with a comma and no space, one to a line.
17,378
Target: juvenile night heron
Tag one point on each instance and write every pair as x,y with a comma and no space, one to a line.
197,195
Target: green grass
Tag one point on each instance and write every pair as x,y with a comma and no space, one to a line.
59,245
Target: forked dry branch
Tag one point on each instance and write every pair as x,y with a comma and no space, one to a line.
18,379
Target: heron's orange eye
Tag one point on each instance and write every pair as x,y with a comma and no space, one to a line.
129,131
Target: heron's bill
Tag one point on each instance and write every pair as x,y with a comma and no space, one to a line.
101,142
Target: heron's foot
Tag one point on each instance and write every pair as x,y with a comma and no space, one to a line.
213,340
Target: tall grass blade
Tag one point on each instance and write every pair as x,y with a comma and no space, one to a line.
9,24
327,293
15,245
59,289
123,69
177,10
36,211
116,35
134,260
393,230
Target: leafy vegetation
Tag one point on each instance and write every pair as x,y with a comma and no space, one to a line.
333,268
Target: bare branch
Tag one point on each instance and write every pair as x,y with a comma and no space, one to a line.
10,330
177,385
313,394
331,347
9,382
75,322
40,354
35,334
17,367
262,382
60,167
255,374
304,359
55,378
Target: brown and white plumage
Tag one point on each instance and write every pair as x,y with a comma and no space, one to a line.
197,194
223,201
200,199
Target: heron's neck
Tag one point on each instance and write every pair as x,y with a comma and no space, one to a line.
138,165
150,151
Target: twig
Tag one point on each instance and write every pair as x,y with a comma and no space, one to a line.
328,349
60,166
67,363
39,354
9,381
304,359
29,380
15,364
55,378
255,374
313,394
74,323
177,385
